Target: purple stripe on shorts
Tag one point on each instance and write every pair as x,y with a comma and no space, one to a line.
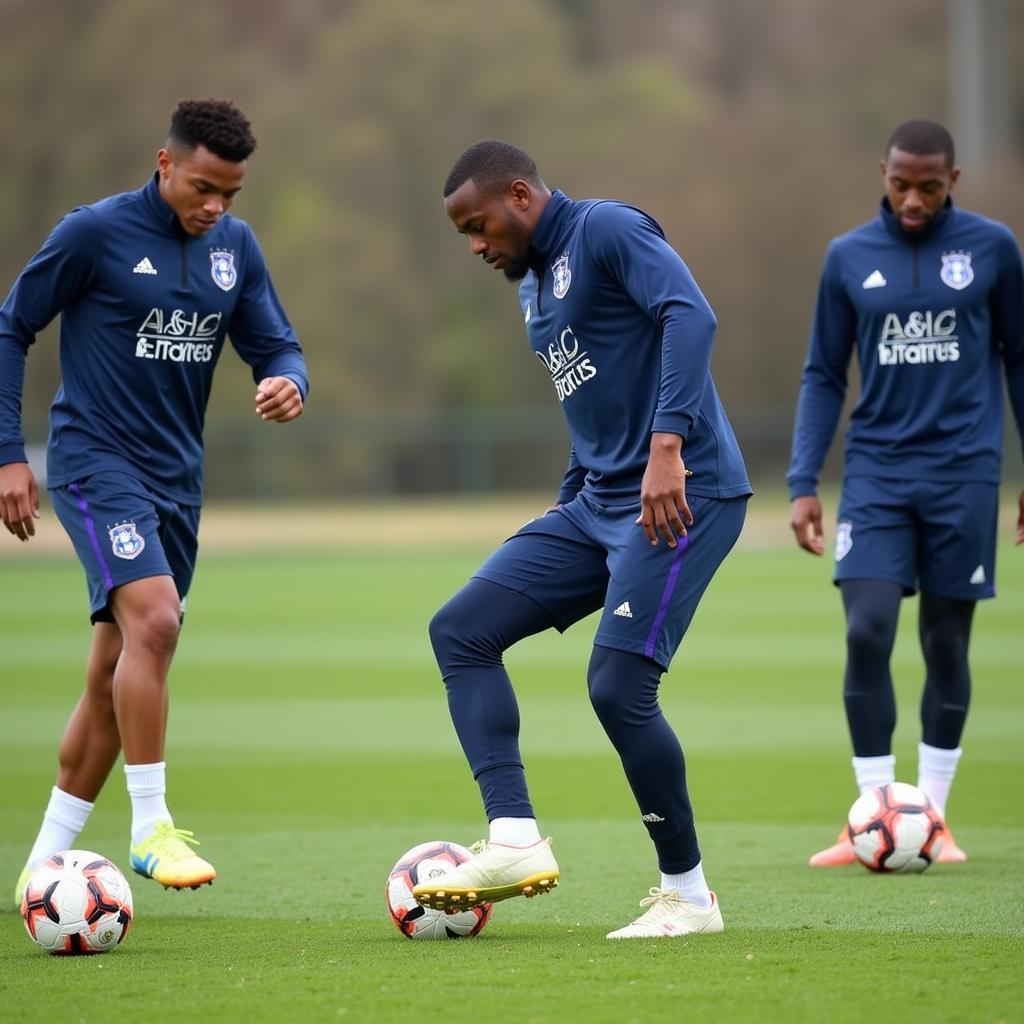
666,596
90,529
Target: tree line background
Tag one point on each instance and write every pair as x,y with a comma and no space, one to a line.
751,130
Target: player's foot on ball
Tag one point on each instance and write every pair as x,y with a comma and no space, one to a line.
496,872
166,857
669,915
950,852
19,889
836,856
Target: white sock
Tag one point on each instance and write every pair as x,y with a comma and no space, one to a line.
147,785
64,818
690,885
874,771
514,831
936,768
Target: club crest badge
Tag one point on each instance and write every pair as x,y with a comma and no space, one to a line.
956,271
125,541
844,540
222,269
563,275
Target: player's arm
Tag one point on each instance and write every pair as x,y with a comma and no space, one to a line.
1008,330
632,248
51,281
264,338
822,391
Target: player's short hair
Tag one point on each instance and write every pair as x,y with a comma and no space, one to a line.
923,138
216,124
493,165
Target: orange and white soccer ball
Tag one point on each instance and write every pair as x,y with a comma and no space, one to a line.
895,828
77,902
429,860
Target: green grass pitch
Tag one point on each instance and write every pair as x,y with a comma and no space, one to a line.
309,746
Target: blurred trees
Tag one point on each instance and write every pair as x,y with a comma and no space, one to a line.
751,131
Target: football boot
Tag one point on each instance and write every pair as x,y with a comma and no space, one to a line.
669,915
836,856
496,872
165,856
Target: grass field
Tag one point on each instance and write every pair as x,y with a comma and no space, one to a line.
309,746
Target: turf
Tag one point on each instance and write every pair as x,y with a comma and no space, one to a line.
309,746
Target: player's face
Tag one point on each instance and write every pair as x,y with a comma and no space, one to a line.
497,225
198,185
917,185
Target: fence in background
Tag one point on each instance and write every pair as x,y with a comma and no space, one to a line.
453,451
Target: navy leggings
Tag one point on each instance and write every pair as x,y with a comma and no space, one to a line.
944,627
470,635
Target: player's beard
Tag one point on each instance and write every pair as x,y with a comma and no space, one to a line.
918,229
519,264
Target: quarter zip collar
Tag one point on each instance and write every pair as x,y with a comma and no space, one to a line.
936,227
159,208
549,228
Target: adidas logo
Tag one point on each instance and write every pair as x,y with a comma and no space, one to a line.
625,611
652,817
874,280
144,267
978,576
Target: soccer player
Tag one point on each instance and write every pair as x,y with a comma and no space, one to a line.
147,283
625,334
931,298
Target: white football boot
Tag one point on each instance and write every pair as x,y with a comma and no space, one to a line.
669,915
496,872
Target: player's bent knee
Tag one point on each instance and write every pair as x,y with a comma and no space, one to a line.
446,630
156,631
457,639
623,686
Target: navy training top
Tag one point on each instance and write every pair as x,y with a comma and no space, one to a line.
619,323
936,318
144,311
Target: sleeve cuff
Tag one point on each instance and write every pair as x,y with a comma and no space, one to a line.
802,488
13,451
672,423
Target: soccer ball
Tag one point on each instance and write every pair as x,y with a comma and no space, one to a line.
428,860
895,828
77,902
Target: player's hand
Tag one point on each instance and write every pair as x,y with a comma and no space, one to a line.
663,507
805,519
1020,518
19,499
278,399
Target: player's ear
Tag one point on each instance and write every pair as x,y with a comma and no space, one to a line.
521,194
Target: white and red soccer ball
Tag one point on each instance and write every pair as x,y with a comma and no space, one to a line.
895,828
429,860
77,902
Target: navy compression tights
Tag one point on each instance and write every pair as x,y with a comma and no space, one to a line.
471,633
944,627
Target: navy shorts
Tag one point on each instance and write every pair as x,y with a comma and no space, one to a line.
939,537
584,556
123,530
